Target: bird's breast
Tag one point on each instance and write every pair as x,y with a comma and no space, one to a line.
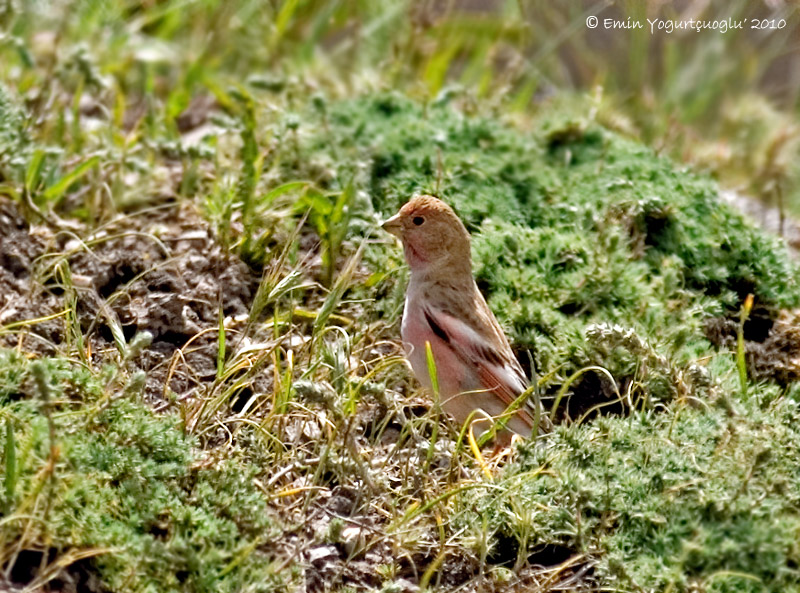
452,375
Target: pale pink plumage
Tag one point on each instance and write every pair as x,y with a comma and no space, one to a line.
475,366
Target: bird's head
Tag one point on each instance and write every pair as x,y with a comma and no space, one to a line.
432,234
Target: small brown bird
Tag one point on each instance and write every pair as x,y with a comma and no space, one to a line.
475,366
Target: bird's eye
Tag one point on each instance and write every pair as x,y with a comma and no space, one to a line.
417,220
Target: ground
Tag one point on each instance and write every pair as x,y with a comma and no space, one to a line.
202,386
206,391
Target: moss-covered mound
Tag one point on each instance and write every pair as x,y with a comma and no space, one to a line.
121,495
573,226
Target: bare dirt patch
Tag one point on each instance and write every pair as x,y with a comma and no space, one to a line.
159,272
772,347
22,299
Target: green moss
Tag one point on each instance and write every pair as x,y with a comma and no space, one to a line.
696,501
129,482
611,191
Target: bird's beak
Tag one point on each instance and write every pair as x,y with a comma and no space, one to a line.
393,226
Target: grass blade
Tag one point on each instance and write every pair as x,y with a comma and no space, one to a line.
285,188
220,342
284,16
741,361
341,285
10,480
56,190
34,170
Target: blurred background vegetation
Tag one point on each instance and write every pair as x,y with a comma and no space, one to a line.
726,102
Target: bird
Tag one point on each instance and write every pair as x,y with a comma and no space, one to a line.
477,373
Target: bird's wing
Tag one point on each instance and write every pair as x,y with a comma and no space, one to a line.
495,364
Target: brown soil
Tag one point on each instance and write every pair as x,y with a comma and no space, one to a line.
159,272
772,347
